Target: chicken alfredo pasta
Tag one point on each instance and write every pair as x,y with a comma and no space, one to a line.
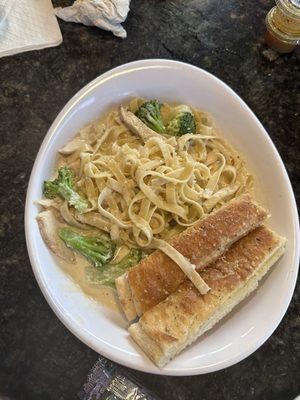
144,174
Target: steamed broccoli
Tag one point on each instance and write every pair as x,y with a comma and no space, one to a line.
150,113
182,123
97,249
107,275
63,186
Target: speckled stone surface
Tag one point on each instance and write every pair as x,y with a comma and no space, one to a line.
39,357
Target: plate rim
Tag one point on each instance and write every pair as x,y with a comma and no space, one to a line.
57,308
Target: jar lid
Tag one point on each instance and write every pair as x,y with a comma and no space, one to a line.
289,7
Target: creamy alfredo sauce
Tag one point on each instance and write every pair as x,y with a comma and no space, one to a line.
99,293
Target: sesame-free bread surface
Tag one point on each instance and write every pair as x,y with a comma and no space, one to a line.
157,276
170,326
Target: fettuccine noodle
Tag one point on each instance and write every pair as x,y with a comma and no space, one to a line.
137,191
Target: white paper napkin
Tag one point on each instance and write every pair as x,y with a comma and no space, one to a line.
105,14
27,25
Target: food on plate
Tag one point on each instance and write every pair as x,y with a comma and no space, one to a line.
182,122
63,186
107,276
157,276
170,326
49,226
142,175
136,126
150,114
99,250
152,201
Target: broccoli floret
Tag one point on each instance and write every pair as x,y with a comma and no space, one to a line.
97,249
150,113
63,186
181,124
112,271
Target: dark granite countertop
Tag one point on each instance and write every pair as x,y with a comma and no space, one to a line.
39,357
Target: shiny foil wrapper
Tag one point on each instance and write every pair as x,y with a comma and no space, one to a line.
107,381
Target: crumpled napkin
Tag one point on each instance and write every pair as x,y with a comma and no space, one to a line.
105,14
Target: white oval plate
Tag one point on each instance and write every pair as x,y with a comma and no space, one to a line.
248,326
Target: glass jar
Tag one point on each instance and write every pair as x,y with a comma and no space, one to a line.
283,26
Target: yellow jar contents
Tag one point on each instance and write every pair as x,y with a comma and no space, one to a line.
283,26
